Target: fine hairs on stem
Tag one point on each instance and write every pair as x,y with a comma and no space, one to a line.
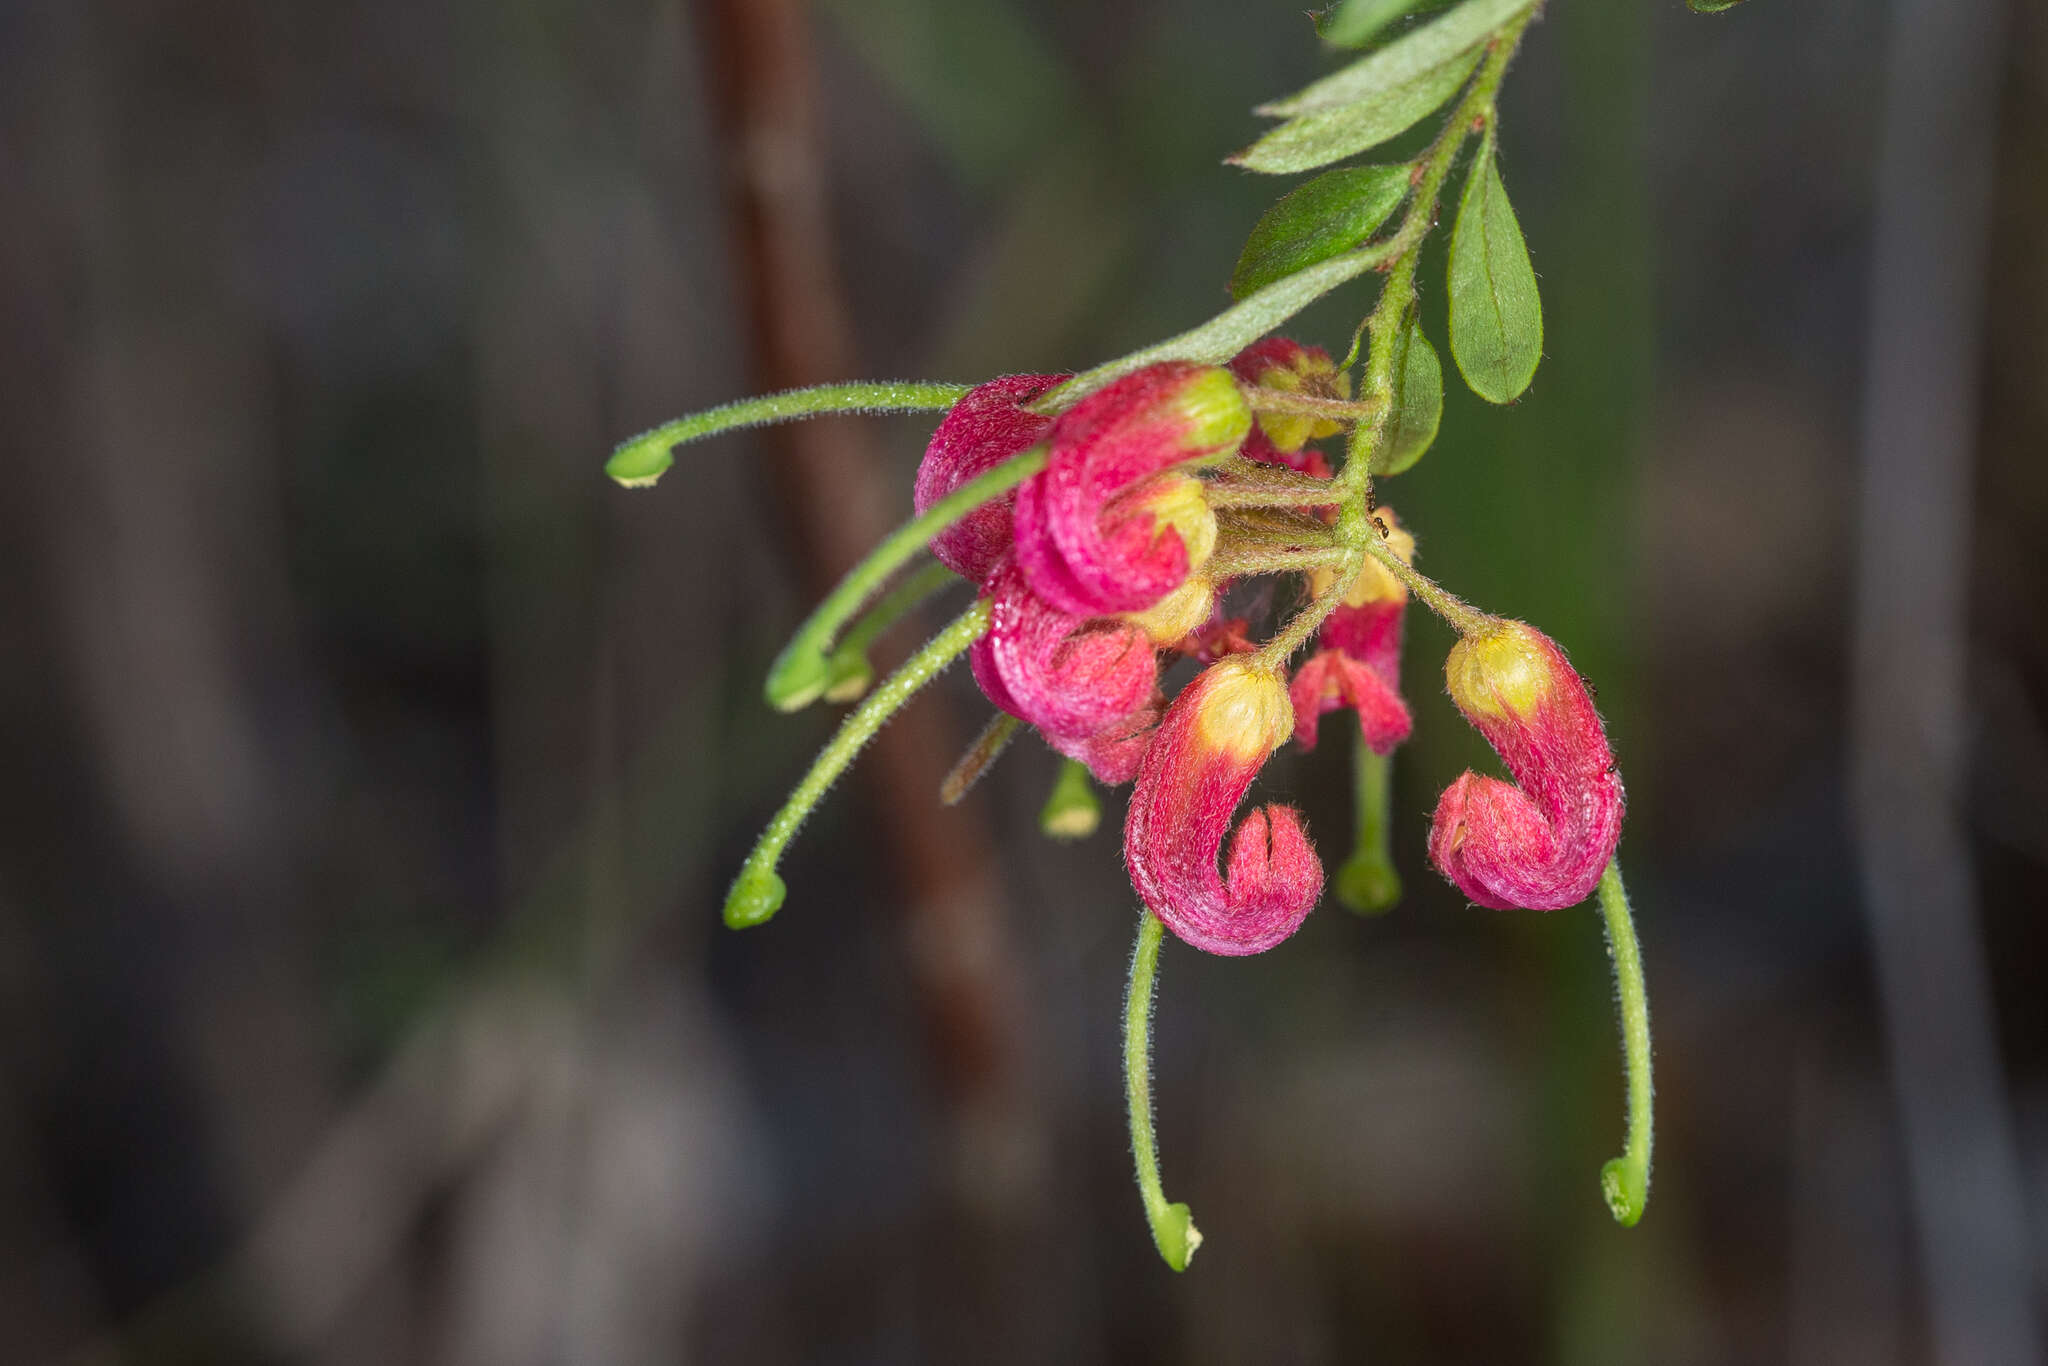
1625,1180
803,671
1173,1227
758,892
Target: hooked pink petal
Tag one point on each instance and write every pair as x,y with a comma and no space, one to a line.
1543,843
1088,530
1214,739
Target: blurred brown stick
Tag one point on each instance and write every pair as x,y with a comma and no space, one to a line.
827,486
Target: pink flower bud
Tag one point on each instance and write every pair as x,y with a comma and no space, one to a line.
1074,678
1282,438
986,427
1359,664
1543,844
1107,527
1216,736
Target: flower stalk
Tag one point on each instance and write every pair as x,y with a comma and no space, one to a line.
802,672
1173,1226
1625,1180
640,461
758,892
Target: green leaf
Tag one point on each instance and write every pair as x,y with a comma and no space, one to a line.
1358,22
1418,403
1496,316
1711,6
1426,49
1226,334
1326,217
1317,139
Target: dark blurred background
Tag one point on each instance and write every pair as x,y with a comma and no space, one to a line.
376,768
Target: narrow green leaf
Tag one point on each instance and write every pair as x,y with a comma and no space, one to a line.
1396,64
1418,403
1226,334
1328,216
1358,22
1711,6
1317,139
1496,316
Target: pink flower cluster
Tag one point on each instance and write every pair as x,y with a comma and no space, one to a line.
1097,569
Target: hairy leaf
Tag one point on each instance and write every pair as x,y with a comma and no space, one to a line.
1330,215
1317,139
1496,316
1226,334
1418,403
1427,48
1358,22
1711,6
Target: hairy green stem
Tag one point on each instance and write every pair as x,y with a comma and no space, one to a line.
1262,399
1239,561
1397,297
1367,883
758,892
1625,1180
1462,615
802,671
851,672
1275,653
1250,486
981,756
638,462
1173,1228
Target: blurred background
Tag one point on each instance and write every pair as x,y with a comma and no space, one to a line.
376,768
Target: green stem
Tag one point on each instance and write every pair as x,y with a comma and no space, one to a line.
988,747
1071,811
757,893
1275,653
1462,615
851,673
1173,1228
645,458
1397,296
1239,561
1625,1180
1281,488
1367,883
1264,400
802,672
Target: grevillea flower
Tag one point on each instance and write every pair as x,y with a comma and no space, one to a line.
986,427
1282,438
1358,664
1214,739
1543,844
1088,683
1112,525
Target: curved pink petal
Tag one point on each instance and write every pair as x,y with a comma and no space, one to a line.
1214,739
1102,529
986,427
1070,676
1333,679
1542,844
